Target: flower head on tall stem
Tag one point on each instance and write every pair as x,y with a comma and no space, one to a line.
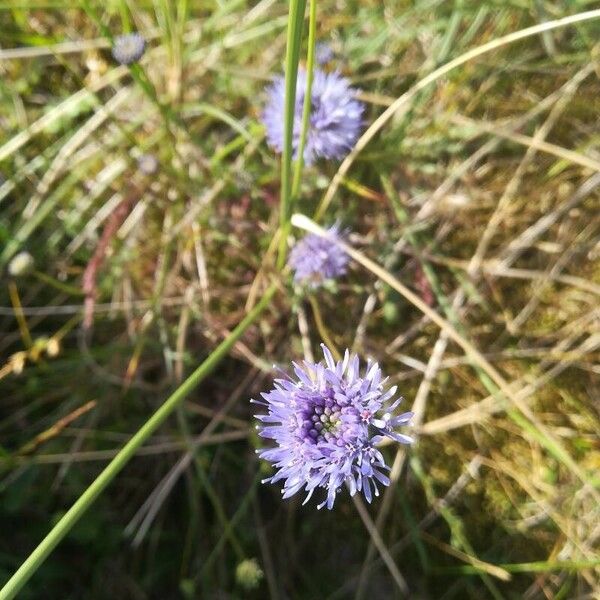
316,259
335,116
128,48
326,424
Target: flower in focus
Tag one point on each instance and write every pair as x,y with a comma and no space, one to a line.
326,425
335,116
128,48
315,259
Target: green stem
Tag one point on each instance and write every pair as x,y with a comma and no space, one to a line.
125,17
59,285
58,532
306,107
138,74
532,567
292,57
322,329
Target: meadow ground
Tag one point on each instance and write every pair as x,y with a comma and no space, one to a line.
474,191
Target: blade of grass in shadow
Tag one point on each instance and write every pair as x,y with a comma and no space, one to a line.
455,524
60,530
532,567
244,505
411,523
203,478
381,547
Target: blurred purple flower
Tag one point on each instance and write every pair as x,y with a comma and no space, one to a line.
128,48
335,119
323,52
315,259
147,164
326,425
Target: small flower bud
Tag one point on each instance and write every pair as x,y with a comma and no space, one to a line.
147,164
128,48
248,574
21,264
52,347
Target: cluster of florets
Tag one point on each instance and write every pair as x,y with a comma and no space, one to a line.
316,259
327,422
323,53
326,425
335,116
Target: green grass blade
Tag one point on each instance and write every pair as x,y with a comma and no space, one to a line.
531,567
292,58
60,530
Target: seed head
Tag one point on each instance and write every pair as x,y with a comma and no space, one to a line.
249,574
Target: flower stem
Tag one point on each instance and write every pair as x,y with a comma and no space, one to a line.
292,58
306,107
58,532
322,329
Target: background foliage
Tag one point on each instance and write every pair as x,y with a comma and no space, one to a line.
481,196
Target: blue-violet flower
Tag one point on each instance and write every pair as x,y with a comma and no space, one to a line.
128,48
335,116
147,164
315,259
326,425
323,53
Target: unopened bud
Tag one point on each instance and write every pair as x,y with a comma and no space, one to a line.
128,48
248,574
17,362
52,347
21,264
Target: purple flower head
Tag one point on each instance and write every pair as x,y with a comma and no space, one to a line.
326,425
128,48
147,164
323,53
335,119
316,259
